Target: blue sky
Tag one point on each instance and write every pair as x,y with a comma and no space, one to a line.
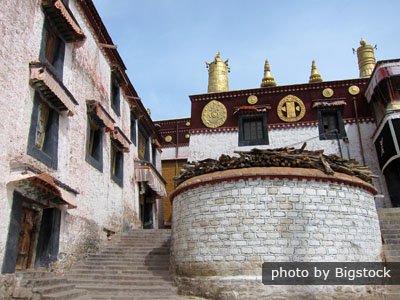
165,43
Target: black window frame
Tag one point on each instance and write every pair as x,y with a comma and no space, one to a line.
340,132
97,134
49,152
115,94
264,126
56,63
117,163
145,135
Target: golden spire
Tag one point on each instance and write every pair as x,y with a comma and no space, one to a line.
268,79
218,75
314,77
366,59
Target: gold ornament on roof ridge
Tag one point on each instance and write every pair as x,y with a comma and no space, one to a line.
268,79
291,109
366,58
214,114
315,76
218,75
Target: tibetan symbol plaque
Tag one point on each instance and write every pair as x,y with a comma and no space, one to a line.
291,109
214,114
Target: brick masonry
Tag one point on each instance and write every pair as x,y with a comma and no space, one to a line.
228,228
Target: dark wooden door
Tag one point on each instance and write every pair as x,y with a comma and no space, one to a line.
26,239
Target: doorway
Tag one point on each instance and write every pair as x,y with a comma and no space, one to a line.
392,176
27,239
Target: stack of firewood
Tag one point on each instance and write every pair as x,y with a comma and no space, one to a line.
281,157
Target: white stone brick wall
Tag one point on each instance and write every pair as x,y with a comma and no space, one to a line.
170,153
230,228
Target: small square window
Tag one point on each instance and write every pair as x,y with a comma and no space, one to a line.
330,124
115,94
43,133
94,143
253,130
117,163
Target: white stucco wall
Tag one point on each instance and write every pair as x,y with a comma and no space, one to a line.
101,202
171,153
212,145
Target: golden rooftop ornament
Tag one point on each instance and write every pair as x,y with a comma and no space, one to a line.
168,138
268,79
366,58
291,109
218,75
214,114
314,77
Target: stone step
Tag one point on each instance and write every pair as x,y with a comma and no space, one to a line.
131,265
392,241
150,252
101,288
119,268
100,272
392,252
106,276
49,289
391,236
65,295
123,283
390,231
392,258
391,247
128,260
43,281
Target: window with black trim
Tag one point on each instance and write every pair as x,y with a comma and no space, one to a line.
117,163
143,144
115,94
94,142
133,128
43,133
330,124
253,130
52,50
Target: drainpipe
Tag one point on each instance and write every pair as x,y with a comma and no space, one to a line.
359,130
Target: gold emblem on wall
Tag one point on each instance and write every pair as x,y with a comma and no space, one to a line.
354,90
214,114
327,93
168,138
291,109
252,99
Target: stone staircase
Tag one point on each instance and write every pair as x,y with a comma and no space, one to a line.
389,220
134,266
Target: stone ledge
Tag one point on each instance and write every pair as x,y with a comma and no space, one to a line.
271,172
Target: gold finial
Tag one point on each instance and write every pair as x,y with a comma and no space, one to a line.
218,75
366,58
314,77
148,111
268,79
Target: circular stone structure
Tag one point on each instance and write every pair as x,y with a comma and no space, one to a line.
226,224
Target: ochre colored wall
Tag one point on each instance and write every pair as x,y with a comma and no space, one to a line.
170,168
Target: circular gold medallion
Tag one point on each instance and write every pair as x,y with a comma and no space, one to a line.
214,114
252,99
168,138
291,109
187,135
187,124
354,90
327,93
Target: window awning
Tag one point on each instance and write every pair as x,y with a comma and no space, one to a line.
53,92
95,107
252,109
121,138
145,172
382,71
63,19
42,187
318,104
